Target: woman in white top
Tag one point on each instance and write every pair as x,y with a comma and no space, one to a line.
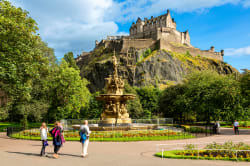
43,131
84,130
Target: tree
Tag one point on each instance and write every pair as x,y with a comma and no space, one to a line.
94,108
69,93
203,96
245,87
149,97
174,104
69,58
214,96
134,106
22,58
245,92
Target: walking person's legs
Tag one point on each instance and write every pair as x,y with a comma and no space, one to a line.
85,147
82,149
43,149
56,149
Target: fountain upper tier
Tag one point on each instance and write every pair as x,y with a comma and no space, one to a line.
115,97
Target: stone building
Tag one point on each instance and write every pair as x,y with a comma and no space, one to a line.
162,27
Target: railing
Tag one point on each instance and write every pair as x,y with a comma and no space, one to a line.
139,129
68,123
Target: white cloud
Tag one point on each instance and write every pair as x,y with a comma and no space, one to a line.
246,3
237,51
71,25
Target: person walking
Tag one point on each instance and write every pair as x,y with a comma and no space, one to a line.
62,131
43,131
236,127
84,134
217,127
56,133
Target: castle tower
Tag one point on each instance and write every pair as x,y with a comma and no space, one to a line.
139,25
170,23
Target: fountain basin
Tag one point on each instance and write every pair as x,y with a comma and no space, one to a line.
132,126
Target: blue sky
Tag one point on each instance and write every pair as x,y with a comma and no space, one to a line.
74,25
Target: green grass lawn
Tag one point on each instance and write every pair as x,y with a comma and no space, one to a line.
174,154
4,125
239,127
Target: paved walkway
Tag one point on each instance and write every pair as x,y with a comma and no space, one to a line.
26,153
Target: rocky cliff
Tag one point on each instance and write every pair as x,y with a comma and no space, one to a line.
145,67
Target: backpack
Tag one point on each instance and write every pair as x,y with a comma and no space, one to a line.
55,133
83,137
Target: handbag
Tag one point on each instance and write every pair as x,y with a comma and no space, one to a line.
45,143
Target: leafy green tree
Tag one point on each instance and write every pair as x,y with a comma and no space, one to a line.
134,107
245,92
69,57
245,87
22,58
203,96
173,103
214,96
149,97
69,93
94,108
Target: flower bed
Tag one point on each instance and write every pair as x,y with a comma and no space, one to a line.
214,151
132,135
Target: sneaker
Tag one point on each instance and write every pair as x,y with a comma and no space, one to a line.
55,156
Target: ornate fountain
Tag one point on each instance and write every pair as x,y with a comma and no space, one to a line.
115,112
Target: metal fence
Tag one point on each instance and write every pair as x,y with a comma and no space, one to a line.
68,123
163,129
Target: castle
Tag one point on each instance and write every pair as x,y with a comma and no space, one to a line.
157,32
162,27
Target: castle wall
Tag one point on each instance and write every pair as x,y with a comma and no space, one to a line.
124,44
137,44
164,44
111,44
172,35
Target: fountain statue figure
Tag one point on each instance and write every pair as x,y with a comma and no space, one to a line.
115,111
